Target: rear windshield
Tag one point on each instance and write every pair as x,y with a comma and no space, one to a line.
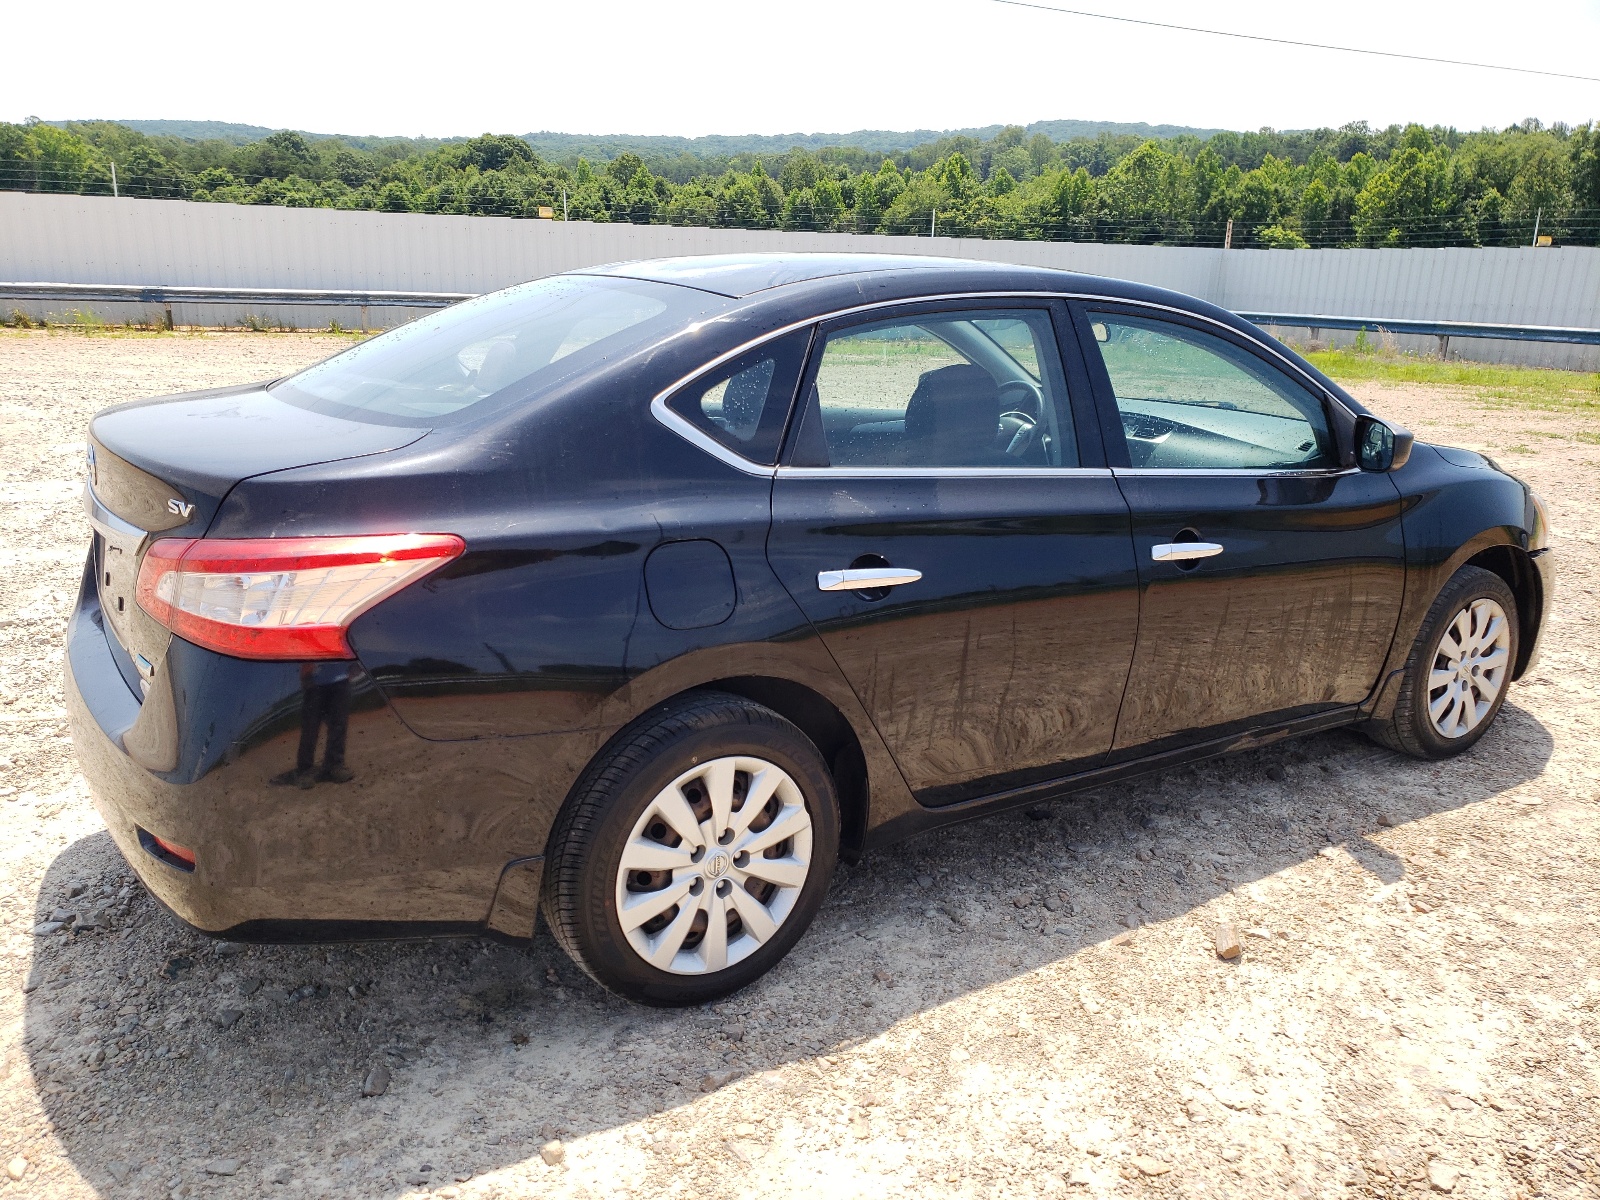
507,346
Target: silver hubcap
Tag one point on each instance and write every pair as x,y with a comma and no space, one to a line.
1469,669
714,865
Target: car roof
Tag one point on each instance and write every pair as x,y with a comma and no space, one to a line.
740,275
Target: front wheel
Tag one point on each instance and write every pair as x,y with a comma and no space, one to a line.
694,853
1460,667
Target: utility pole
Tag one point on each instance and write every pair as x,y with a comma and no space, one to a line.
1227,237
114,179
563,203
1538,216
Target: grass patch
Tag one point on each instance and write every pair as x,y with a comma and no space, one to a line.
1501,386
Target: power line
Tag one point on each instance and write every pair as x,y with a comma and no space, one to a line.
1277,41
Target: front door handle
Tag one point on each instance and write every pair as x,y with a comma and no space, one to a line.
1184,551
857,579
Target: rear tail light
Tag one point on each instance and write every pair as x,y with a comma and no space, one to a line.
281,598
170,853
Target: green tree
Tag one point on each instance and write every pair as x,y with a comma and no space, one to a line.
497,151
1214,189
1067,205
1148,197
351,167
625,168
1401,185
393,197
739,204
146,173
1276,237
1543,185
1412,200
911,212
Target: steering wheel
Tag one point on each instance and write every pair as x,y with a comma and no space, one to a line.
1022,409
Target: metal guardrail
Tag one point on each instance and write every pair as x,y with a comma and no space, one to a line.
167,296
1438,329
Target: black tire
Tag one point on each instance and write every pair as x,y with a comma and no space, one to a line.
1409,729
581,878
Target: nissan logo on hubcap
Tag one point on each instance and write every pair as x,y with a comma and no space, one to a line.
717,865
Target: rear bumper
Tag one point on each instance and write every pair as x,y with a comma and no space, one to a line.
410,838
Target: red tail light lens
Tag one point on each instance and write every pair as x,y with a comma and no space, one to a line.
183,854
281,598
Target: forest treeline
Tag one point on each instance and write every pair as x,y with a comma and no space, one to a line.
1352,186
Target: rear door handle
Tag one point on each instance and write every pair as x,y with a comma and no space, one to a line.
1184,551
855,579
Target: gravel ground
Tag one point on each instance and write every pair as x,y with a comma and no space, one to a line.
1028,1005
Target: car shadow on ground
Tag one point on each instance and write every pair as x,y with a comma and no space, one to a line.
157,1053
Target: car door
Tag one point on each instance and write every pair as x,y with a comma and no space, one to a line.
1271,572
938,446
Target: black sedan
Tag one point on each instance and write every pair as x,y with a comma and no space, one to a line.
636,596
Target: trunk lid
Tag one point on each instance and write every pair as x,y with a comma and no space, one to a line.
162,467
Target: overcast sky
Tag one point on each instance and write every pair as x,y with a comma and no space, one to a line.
693,67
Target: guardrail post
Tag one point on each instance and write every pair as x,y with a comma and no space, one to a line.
166,314
363,318
1444,347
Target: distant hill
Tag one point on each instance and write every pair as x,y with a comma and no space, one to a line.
608,146
561,145
199,131
238,135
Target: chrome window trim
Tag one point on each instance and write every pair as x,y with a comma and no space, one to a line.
701,439
867,472
684,429
1234,472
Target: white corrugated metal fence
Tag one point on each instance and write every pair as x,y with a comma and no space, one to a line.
98,239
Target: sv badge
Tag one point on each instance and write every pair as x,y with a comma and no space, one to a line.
179,508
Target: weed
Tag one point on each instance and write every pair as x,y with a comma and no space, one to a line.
79,320
21,320
1575,392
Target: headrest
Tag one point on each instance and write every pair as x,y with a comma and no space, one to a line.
957,405
745,397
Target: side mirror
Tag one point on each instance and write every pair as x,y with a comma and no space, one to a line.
1380,446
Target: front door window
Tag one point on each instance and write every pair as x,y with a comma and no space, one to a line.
1189,399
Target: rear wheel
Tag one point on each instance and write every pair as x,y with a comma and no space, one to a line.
1460,667
694,853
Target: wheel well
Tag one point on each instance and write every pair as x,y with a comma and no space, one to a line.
829,731
1513,565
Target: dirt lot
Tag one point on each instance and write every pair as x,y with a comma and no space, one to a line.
1023,1006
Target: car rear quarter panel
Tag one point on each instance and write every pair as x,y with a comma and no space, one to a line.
419,834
